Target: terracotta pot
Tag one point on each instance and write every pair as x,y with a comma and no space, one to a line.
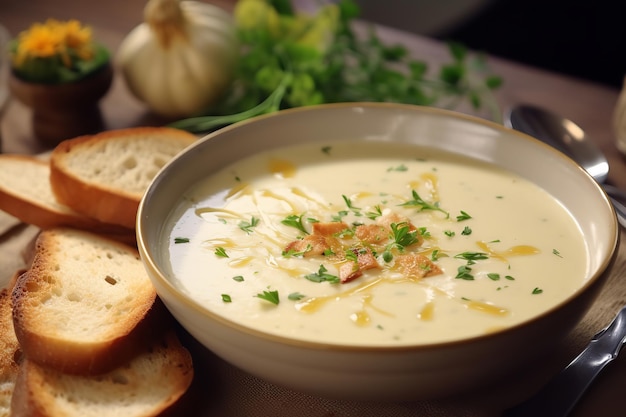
64,111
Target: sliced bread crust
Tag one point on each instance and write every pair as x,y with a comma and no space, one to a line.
148,385
26,193
104,176
10,353
85,305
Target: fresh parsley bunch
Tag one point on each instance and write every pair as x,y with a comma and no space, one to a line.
291,59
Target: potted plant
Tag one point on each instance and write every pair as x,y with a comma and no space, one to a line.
61,73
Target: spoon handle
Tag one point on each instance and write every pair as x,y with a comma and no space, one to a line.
617,197
562,393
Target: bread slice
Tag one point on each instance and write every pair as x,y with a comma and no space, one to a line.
86,304
26,193
148,385
10,353
104,176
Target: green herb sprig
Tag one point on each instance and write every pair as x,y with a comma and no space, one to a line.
284,63
422,204
322,275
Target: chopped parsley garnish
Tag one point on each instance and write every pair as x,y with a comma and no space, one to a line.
248,226
510,278
423,205
493,276
463,216
181,240
349,204
322,275
449,233
238,278
294,254
537,290
271,296
226,298
399,168
340,215
295,296
557,253
402,236
436,255
295,221
464,272
472,257
328,252
466,231
373,215
220,251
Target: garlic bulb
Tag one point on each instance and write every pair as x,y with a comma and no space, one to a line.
181,59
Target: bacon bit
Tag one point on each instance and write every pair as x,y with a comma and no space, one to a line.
329,229
309,245
371,233
389,218
351,270
417,266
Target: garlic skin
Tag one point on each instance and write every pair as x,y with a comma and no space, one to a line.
181,60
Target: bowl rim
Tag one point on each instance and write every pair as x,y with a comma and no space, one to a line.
173,291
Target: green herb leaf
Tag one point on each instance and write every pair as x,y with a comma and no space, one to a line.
238,278
271,296
419,202
349,203
537,290
376,213
248,226
399,168
226,298
295,221
295,296
472,256
464,272
178,240
463,216
402,235
322,275
221,252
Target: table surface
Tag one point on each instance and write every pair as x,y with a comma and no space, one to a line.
589,105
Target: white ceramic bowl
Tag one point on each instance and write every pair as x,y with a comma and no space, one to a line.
381,373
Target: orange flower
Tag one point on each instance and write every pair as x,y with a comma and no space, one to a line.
56,52
79,38
52,39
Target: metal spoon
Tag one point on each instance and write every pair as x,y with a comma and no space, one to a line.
569,138
562,393
559,396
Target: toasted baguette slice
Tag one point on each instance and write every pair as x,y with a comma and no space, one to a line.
9,349
148,385
26,193
86,303
104,176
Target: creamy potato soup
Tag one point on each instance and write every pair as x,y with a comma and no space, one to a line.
373,244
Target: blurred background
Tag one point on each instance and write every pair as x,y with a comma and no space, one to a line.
582,38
